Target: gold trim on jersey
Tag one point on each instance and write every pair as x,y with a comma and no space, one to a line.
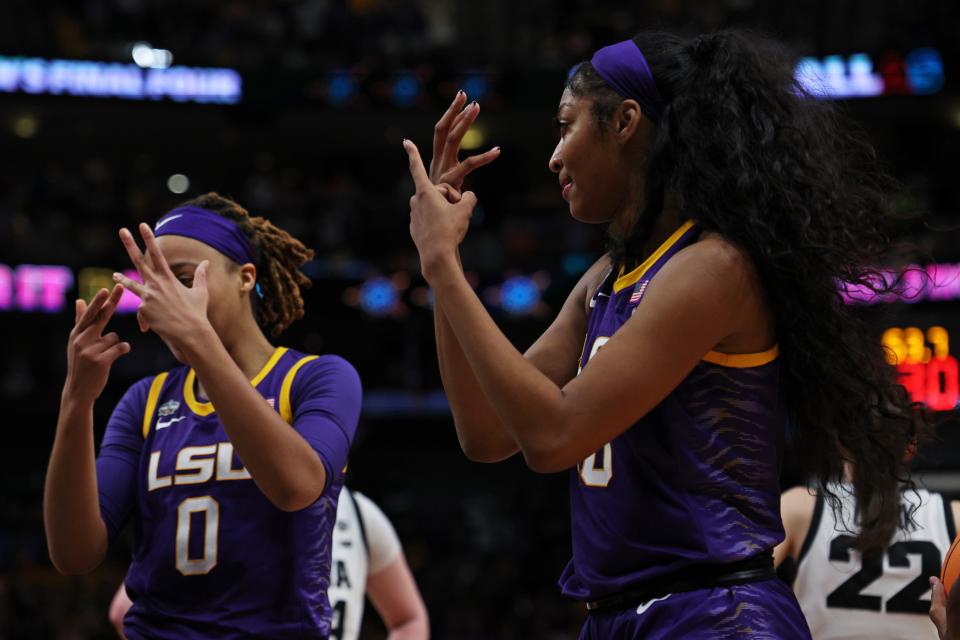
206,408
152,397
286,411
624,280
742,360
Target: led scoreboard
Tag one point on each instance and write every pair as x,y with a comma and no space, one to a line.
924,365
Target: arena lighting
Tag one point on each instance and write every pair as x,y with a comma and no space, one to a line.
928,373
341,88
146,57
920,72
92,279
178,183
115,80
405,89
519,295
475,86
32,287
26,126
933,282
378,296
43,288
474,138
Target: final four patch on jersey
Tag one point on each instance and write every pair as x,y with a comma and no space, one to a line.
168,408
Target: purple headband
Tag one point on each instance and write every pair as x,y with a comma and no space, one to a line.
209,228
623,67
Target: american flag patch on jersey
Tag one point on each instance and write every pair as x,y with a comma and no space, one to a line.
638,291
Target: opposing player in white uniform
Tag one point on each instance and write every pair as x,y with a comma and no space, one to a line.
845,596
366,557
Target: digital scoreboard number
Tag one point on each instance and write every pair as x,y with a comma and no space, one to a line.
924,365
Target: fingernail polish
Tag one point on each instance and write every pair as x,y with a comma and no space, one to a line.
459,92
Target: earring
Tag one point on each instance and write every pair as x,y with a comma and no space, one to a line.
259,291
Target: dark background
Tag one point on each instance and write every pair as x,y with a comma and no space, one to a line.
486,542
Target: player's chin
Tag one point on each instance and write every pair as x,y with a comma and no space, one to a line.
587,215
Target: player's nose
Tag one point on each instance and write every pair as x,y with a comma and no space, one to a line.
555,163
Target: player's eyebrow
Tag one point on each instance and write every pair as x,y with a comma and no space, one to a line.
176,265
562,105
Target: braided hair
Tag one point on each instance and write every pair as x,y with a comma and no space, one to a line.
279,258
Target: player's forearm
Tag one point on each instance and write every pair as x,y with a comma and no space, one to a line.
282,464
413,629
76,534
481,434
527,402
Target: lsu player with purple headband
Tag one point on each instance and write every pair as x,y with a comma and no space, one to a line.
735,203
229,466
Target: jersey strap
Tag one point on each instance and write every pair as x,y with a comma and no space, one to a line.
152,396
286,409
363,527
679,239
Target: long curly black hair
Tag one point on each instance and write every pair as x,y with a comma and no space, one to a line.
752,156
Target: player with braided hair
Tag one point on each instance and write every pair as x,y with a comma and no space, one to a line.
282,255
229,466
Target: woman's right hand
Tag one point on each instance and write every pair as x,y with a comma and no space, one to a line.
445,166
89,353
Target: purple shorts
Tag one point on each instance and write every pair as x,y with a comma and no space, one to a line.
760,611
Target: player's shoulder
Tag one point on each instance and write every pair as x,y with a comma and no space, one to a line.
324,361
321,376
714,257
799,500
327,366
797,506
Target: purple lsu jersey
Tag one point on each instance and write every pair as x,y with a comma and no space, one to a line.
213,557
694,481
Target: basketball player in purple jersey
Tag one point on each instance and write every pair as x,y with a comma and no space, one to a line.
229,466
735,205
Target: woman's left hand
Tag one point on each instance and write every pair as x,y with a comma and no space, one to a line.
175,312
439,217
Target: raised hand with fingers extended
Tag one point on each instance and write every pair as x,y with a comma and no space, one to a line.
438,221
168,307
90,354
446,166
